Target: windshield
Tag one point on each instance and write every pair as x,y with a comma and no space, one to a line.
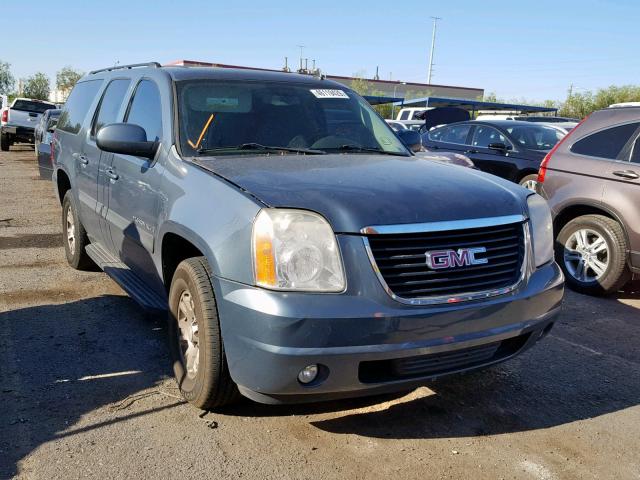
535,137
29,106
242,117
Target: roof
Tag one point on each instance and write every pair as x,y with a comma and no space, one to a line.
474,105
373,100
199,63
217,73
510,123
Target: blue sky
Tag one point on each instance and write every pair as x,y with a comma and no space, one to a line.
518,49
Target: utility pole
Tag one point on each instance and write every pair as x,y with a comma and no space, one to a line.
433,45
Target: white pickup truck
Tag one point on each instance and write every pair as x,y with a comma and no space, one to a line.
18,121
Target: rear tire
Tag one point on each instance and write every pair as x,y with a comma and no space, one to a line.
5,142
577,254
195,340
74,235
529,181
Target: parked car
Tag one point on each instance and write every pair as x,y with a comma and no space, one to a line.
396,126
18,121
527,118
507,148
43,134
564,127
411,113
592,182
301,250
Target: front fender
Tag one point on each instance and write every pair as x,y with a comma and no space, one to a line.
213,215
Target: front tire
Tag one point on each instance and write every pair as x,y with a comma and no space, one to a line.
591,250
195,340
74,234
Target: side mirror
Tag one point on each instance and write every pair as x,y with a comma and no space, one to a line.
53,123
127,139
501,147
411,138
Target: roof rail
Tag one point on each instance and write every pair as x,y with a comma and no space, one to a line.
121,67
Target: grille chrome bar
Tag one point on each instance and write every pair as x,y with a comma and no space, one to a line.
418,280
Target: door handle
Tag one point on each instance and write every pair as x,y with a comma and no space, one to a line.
111,174
626,174
81,158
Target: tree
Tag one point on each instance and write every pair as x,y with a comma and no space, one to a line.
66,78
7,81
37,86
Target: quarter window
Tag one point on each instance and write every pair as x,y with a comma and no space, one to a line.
455,134
77,106
606,143
146,109
110,103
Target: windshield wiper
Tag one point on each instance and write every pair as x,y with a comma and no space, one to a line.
259,146
358,148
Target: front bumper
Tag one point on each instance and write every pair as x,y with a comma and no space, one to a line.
270,336
18,133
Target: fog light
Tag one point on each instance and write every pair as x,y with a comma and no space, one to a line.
308,374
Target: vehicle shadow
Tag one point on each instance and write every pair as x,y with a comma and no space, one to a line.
60,362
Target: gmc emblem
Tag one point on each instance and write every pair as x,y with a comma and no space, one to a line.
439,259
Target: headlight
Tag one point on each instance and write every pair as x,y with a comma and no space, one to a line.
541,229
296,250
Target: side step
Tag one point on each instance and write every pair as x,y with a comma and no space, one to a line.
128,280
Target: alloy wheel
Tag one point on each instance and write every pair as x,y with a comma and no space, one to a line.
71,231
188,334
586,255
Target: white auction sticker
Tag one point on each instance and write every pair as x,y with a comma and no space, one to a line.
327,93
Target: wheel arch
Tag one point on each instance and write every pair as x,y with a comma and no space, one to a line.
575,210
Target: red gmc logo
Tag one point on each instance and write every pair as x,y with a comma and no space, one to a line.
439,259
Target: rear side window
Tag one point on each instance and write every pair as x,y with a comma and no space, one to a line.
33,107
77,106
110,103
404,115
606,143
146,109
455,134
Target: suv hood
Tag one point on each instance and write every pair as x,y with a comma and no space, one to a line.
353,191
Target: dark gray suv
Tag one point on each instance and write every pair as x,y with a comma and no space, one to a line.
592,181
301,250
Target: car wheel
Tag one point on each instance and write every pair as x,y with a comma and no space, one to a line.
75,236
5,143
592,253
195,340
530,182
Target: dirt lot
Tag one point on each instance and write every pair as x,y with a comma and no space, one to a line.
86,389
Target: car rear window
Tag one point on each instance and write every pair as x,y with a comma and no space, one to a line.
77,106
606,143
30,106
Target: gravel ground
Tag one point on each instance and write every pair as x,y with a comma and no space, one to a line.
86,389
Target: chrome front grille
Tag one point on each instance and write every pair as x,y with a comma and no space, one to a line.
401,260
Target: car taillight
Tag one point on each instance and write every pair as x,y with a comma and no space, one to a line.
542,172
5,116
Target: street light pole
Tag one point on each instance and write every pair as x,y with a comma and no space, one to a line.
433,46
